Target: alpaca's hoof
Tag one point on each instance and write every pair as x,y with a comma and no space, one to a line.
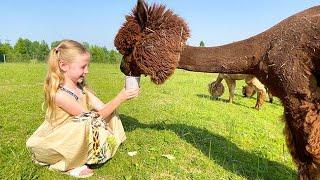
257,107
214,97
270,100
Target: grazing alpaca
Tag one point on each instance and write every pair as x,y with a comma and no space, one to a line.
249,91
286,58
216,89
231,83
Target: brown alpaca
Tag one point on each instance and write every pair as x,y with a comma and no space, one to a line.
231,83
249,91
285,58
216,89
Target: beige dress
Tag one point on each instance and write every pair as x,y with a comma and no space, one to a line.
71,141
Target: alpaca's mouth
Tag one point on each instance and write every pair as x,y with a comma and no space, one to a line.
123,69
129,69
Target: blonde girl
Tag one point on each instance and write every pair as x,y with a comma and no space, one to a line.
79,128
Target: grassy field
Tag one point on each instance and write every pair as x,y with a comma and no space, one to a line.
210,139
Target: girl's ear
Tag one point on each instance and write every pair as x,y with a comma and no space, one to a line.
63,65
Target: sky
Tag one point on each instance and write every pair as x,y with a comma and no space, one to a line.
97,21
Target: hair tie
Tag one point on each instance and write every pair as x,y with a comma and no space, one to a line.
56,49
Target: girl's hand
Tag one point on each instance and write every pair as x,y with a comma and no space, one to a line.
128,94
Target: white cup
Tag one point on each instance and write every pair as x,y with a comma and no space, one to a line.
132,82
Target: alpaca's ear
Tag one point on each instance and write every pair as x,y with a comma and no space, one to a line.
142,13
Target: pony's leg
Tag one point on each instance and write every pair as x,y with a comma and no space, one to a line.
231,86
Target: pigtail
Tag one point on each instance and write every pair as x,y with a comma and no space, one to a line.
53,79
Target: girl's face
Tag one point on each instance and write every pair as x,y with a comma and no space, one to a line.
78,69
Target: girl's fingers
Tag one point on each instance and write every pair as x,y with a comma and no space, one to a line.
129,91
132,93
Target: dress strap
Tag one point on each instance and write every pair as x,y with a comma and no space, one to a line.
69,92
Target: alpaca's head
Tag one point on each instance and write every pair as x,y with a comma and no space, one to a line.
216,89
248,91
151,41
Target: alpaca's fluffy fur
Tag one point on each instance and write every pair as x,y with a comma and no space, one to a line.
157,45
216,89
248,91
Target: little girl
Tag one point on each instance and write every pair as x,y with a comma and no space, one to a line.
78,129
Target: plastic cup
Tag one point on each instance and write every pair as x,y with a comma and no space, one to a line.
132,82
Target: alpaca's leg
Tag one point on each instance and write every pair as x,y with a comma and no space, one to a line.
294,149
261,96
312,128
270,96
308,167
259,87
220,78
299,93
231,86
302,130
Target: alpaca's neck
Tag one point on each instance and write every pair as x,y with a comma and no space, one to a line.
238,57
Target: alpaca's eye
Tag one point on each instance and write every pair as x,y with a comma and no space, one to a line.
128,52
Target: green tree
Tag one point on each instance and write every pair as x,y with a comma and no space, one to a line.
19,48
97,54
35,50
114,57
23,50
202,44
43,51
11,55
86,45
7,50
54,44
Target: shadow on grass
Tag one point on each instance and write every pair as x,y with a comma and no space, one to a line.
220,150
205,96
222,100
267,100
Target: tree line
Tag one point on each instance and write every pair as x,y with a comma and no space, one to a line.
25,50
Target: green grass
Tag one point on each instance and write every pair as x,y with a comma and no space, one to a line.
210,139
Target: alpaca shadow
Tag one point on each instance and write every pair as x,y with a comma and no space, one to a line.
277,103
205,96
222,100
220,150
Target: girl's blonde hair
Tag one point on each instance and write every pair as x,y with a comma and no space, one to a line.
67,50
